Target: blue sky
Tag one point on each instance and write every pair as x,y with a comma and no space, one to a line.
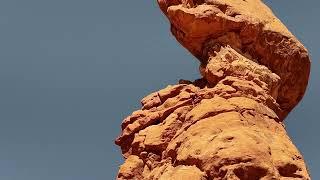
71,70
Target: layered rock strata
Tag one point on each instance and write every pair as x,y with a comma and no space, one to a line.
228,124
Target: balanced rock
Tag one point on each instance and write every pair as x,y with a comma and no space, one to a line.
230,123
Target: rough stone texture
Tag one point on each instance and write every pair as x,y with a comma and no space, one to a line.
228,124
248,26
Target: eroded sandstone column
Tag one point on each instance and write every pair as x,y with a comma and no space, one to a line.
228,124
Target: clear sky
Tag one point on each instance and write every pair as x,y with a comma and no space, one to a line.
71,70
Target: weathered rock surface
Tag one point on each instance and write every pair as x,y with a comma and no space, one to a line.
228,124
248,26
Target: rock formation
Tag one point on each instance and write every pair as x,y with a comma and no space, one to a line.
228,124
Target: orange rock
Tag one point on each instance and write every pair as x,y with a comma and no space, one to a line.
228,124
131,169
249,27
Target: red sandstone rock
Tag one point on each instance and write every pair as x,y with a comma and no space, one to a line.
229,124
248,26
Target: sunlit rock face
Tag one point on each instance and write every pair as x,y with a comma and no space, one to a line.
229,123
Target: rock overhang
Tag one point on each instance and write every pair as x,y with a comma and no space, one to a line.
199,25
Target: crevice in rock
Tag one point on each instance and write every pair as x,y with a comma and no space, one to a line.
250,172
289,170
